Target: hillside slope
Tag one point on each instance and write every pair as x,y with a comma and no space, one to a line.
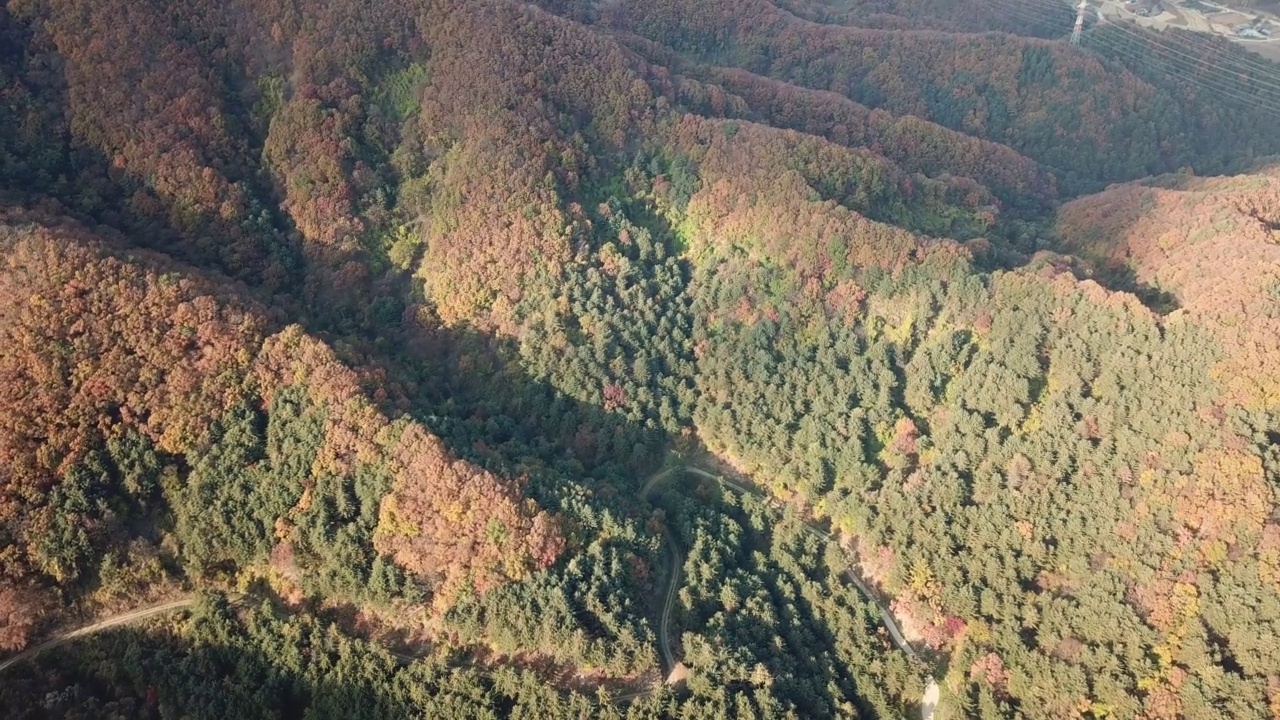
377,315
134,390
1210,245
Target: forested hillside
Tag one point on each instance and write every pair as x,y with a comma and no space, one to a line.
376,335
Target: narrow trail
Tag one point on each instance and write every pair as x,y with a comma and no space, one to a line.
103,624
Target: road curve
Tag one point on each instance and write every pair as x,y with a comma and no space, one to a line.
929,702
143,613
673,582
104,624
889,622
932,693
673,585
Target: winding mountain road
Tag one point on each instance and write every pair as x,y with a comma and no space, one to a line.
106,623
928,703
673,582
886,617
932,693
664,640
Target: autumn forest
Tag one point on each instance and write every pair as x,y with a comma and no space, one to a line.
634,359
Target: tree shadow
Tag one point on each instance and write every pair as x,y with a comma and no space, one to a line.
465,384
1124,279
468,386
56,173
816,687
1114,276
256,662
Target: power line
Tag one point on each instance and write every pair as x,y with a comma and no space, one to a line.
1238,78
1141,54
1192,72
1079,28
1183,42
1140,51
1224,45
1222,48
1128,24
1170,69
1027,13
1240,61
1172,54
1166,52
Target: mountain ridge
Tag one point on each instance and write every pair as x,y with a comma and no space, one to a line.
379,313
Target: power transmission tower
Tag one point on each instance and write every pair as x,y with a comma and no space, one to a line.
1080,11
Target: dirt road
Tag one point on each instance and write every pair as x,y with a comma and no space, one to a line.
929,704
673,581
104,624
932,693
664,641
885,616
